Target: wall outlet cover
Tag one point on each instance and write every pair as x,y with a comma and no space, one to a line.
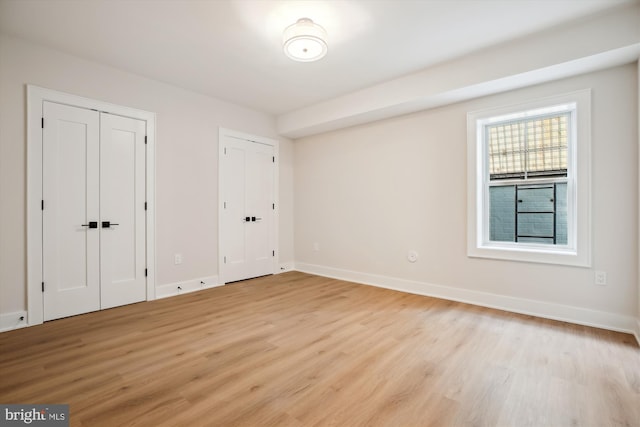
600,278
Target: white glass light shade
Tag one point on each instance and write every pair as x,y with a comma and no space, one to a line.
305,41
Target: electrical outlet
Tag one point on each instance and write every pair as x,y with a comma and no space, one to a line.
600,278
177,259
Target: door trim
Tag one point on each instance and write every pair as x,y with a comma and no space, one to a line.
36,96
223,132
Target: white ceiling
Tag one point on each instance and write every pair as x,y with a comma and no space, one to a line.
232,49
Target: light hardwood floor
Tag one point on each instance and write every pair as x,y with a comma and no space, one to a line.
301,350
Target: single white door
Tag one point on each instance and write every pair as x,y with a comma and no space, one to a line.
122,210
71,257
247,174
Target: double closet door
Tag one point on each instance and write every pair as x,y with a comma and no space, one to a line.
93,214
247,220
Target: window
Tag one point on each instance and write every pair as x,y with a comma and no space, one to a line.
529,181
528,176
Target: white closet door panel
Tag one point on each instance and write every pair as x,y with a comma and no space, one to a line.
234,232
122,196
259,201
70,194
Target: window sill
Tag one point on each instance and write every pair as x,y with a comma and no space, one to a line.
531,253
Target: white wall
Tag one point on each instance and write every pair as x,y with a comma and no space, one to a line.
368,194
186,160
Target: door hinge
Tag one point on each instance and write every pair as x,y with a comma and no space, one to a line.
145,139
42,286
225,260
225,150
274,159
273,206
225,205
42,205
273,253
42,123
146,272
145,206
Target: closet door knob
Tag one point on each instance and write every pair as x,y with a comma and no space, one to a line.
92,224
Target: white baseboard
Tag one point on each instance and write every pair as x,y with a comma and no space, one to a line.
186,286
283,267
14,320
565,313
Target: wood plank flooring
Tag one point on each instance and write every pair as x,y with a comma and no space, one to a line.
302,350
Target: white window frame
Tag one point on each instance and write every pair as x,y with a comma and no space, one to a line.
577,252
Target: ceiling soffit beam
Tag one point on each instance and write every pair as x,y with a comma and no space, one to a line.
609,40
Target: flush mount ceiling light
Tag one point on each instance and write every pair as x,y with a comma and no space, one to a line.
305,41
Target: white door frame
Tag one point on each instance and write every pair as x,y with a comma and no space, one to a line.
223,132
36,96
